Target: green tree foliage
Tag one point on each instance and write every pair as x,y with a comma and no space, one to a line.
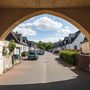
45,46
12,46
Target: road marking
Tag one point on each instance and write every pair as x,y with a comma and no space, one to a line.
44,76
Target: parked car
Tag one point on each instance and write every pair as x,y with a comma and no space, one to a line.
56,52
41,52
51,51
37,51
33,55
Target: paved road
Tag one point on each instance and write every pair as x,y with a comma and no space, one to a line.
47,73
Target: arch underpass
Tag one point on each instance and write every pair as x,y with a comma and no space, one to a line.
10,18
14,12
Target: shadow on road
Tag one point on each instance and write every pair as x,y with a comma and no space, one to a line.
63,63
74,68
83,78
73,84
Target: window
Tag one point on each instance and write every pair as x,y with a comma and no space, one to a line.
75,47
64,42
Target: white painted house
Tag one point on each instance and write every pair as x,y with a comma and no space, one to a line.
22,45
76,42
32,46
23,42
57,46
73,41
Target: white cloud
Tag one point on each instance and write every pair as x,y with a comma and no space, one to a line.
64,32
51,39
43,23
25,31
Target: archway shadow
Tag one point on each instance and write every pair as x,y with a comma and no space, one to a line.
82,74
74,68
72,84
61,62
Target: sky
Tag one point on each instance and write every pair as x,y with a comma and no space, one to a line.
46,28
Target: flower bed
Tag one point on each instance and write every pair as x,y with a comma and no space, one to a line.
69,56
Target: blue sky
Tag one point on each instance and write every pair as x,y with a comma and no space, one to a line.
47,28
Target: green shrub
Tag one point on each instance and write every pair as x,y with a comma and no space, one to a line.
25,54
12,46
69,56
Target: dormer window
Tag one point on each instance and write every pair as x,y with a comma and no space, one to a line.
64,42
18,39
70,40
24,41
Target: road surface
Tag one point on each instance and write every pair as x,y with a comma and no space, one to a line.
46,73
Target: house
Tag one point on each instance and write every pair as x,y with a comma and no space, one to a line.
21,46
57,46
73,41
25,45
32,45
64,42
23,42
85,46
6,57
12,36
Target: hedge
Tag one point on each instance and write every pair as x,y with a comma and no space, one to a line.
69,56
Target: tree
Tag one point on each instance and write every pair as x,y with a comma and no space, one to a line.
45,46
